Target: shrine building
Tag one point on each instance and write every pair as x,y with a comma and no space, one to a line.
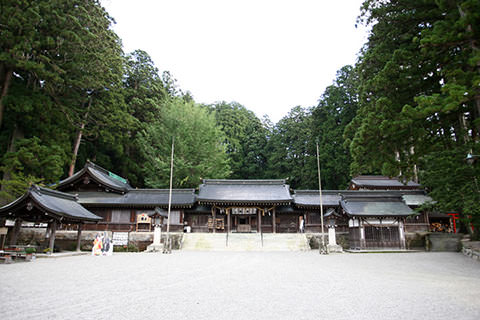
376,212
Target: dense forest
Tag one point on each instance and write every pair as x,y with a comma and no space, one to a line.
409,107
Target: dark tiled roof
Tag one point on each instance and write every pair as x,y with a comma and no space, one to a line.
53,202
99,175
311,198
139,197
416,199
382,182
438,215
244,192
375,205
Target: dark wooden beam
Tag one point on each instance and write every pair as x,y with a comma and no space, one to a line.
53,231
79,236
274,222
16,231
259,220
229,218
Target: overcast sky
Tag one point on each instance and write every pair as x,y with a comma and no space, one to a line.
270,56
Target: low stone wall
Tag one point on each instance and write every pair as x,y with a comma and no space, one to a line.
142,239
415,240
471,249
437,241
314,239
67,240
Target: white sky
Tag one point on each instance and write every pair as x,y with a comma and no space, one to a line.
270,56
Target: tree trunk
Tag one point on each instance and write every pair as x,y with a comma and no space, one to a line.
5,87
78,140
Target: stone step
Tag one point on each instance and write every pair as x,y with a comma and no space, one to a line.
244,242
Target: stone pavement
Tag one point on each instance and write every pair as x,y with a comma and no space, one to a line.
243,285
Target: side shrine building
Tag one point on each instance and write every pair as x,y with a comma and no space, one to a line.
376,212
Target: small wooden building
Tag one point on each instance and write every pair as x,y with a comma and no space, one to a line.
375,212
308,203
376,220
41,205
111,197
244,206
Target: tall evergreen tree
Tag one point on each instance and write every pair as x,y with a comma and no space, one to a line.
245,139
335,110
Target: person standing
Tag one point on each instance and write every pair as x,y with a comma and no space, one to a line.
302,225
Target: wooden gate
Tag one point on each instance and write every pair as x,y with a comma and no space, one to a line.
382,237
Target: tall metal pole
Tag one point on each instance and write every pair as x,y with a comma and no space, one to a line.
322,246
167,246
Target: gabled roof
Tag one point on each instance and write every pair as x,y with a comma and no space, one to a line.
181,198
311,198
51,203
99,175
381,182
375,205
416,200
244,192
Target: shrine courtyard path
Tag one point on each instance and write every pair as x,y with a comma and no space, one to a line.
243,285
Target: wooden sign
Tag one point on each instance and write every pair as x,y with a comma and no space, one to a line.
3,231
120,238
143,218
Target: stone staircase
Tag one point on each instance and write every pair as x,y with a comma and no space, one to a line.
245,242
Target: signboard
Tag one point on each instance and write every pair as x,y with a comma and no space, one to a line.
3,230
117,177
120,238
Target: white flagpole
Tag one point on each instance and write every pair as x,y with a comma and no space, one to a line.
167,246
322,246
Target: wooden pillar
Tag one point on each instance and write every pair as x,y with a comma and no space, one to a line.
213,218
16,231
229,214
79,236
259,221
274,221
382,243
53,230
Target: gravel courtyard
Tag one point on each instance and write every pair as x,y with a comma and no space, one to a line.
243,285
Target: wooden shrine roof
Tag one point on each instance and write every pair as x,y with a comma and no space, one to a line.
181,198
311,198
99,175
244,192
375,205
49,203
381,182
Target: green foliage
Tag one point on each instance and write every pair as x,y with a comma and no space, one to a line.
289,150
199,151
130,248
245,139
454,183
336,109
15,186
419,97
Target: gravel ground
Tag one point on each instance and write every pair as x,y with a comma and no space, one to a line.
243,285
